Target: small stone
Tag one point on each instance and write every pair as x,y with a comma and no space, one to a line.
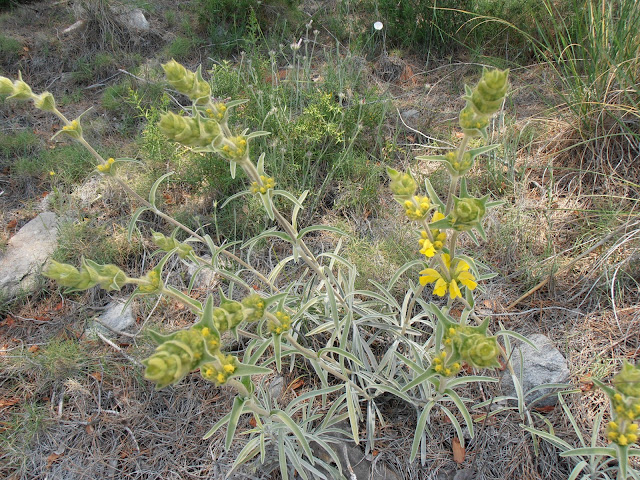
355,464
135,20
276,387
26,253
206,278
409,115
116,318
465,474
540,366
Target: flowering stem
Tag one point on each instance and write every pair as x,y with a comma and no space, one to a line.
307,256
453,186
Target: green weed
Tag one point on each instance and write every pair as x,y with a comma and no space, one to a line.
10,49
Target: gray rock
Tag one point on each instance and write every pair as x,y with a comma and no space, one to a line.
26,253
134,19
115,318
539,367
410,115
206,278
276,387
356,465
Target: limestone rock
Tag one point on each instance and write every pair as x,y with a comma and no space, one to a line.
27,252
540,366
115,318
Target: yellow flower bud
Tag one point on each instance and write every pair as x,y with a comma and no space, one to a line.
73,129
45,102
402,184
21,91
153,282
6,86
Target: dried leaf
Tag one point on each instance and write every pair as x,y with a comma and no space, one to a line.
51,459
586,384
458,451
33,348
547,409
8,402
12,223
296,384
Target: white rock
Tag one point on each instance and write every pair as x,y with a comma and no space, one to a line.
115,318
26,253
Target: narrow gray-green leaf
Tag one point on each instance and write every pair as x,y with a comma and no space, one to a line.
236,411
353,414
134,219
419,433
217,425
156,184
295,429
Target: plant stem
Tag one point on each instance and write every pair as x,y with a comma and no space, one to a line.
453,185
314,356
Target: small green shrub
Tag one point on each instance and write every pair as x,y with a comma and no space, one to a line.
10,49
92,67
181,48
228,24
20,144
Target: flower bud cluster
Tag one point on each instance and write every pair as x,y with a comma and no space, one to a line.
459,166
109,277
279,324
266,183
402,185
444,366
417,208
199,346
234,148
189,83
467,212
168,244
106,167
190,131
217,111
479,350
220,371
175,357
231,313
253,308
625,405
472,345
483,101
73,129
152,282
625,437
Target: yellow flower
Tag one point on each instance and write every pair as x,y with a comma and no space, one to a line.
458,275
